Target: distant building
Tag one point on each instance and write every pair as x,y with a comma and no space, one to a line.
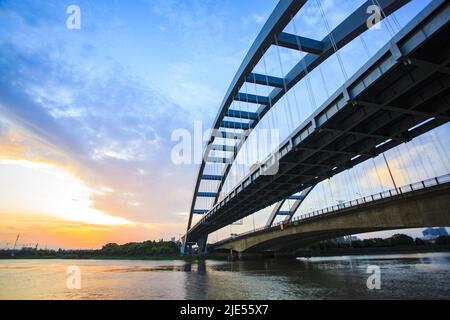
173,239
346,239
433,233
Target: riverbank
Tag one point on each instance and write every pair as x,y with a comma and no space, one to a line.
147,250
163,250
374,251
69,257
300,254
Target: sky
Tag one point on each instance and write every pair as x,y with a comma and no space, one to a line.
86,115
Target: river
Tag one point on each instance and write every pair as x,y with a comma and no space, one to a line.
405,276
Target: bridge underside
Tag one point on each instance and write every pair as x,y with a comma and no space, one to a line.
424,208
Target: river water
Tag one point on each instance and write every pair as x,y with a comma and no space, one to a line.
406,276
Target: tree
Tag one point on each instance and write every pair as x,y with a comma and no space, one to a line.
401,240
443,240
419,242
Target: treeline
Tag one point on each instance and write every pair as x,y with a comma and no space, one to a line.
397,240
146,249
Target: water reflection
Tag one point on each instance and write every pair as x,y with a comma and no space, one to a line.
402,276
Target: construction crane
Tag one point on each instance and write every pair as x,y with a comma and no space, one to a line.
15,243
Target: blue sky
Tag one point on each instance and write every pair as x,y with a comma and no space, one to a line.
97,107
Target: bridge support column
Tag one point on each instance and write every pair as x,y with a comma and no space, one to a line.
186,249
202,246
182,249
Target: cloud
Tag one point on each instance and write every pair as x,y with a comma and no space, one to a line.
200,22
206,33
254,19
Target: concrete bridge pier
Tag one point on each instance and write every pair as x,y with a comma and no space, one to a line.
202,245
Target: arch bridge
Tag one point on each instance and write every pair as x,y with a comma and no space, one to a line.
398,93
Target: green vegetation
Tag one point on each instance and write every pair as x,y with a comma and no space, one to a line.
133,250
443,240
397,240
146,248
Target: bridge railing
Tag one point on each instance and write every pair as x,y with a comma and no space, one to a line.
400,191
